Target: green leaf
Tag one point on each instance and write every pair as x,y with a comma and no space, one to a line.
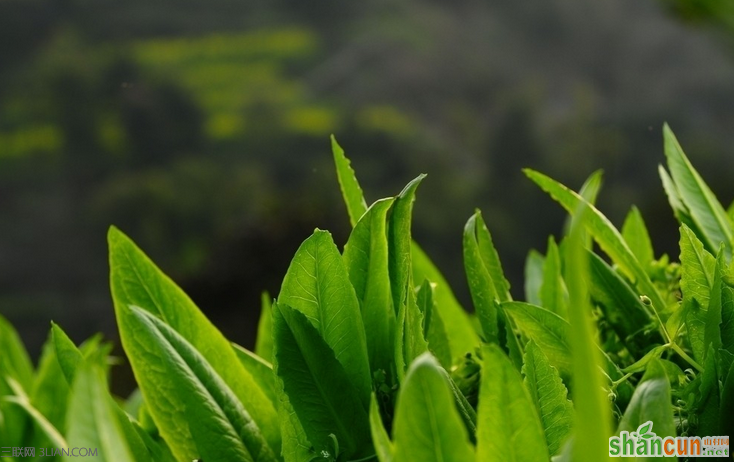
491,259
603,232
680,211
482,288
68,355
593,415
157,448
709,405
317,284
727,403
622,306
136,281
50,389
705,210
549,331
509,428
383,445
427,427
399,242
71,359
650,403
697,280
712,323
21,399
637,238
91,419
351,191
366,260
434,331
462,336
264,340
194,409
410,341
321,392
553,293
459,330
534,264
549,395
14,363
641,364
260,370
727,317
466,411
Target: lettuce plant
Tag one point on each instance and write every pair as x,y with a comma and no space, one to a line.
366,354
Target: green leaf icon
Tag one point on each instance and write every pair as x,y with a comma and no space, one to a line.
644,430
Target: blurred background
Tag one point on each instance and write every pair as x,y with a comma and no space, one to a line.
201,129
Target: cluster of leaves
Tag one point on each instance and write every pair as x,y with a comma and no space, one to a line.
367,355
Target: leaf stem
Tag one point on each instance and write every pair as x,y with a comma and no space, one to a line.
623,379
685,356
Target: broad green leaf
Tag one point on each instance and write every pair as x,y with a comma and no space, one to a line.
321,392
409,341
433,330
50,389
491,259
317,284
466,411
727,317
481,286
194,409
91,419
549,395
553,293
549,331
589,191
351,191
593,416
296,446
399,242
697,280
136,281
157,448
70,359
651,402
133,403
727,403
427,427
622,306
603,232
462,336
260,370
383,445
14,361
21,399
264,340
712,323
709,407
680,211
534,264
366,259
637,238
705,210
508,427
68,355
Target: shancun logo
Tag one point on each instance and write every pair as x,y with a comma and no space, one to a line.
644,443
